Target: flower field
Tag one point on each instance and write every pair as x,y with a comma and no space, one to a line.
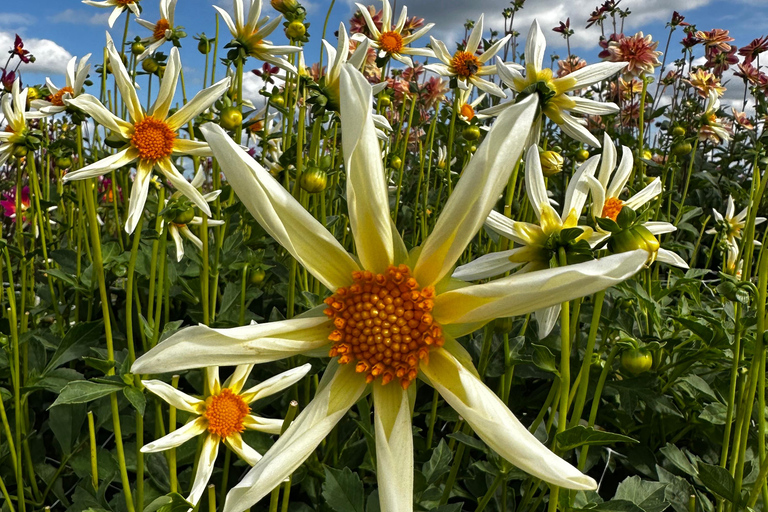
412,275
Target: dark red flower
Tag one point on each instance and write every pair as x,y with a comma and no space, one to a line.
7,79
755,48
677,20
266,72
564,28
18,49
721,61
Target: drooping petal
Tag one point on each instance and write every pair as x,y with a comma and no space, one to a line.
205,465
394,447
200,102
173,396
525,292
242,449
173,230
495,424
181,184
575,129
488,265
139,191
671,258
178,437
340,388
659,228
201,346
103,166
546,318
276,384
476,193
367,197
93,107
280,214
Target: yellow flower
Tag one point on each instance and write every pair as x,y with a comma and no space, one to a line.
221,415
150,137
410,310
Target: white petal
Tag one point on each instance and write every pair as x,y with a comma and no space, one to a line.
659,228
535,46
237,380
173,230
178,437
167,87
592,107
139,191
507,73
495,424
622,173
608,162
200,102
276,384
477,191
546,319
671,258
652,190
338,391
494,49
475,37
535,186
225,16
124,83
576,130
488,265
205,465
201,346
594,73
280,214
242,449
93,107
103,166
367,198
173,396
394,447
525,292
191,147
268,425
181,184
578,188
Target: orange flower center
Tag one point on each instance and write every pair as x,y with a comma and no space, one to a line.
58,98
391,42
160,28
467,111
124,2
153,138
612,208
383,322
465,64
225,413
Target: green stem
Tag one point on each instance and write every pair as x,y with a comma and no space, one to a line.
597,308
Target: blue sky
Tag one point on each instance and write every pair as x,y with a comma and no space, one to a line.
57,29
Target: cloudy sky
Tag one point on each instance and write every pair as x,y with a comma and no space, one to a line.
57,30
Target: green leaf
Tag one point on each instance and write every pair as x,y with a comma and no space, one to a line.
677,457
587,436
65,423
77,343
714,413
438,464
136,397
173,502
81,391
718,480
544,359
645,494
343,490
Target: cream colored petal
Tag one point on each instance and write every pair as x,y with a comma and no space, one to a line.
659,228
730,209
167,87
578,188
523,293
495,424
575,129
189,235
546,318
650,191
339,389
593,107
103,166
212,380
181,184
237,380
201,346
173,230
205,465
489,87
227,19
488,265
535,186
368,20
493,49
254,13
598,196
419,33
124,83
191,147
236,444
178,437
394,447
93,107
594,73
475,37
367,198
280,214
440,69
441,51
173,396
535,46
268,425
139,191
671,258
622,174
475,193
116,12
200,102
608,161
276,384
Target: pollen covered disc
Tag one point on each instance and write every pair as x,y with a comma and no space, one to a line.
391,42
225,413
384,324
58,98
160,27
153,138
465,64
612,208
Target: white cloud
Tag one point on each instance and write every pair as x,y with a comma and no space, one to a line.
81,17
50,57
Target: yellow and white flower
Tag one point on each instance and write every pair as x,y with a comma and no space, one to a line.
337,58
713,128
467,109
178,229
466,65
390,40
415,310
151,137
250,30
221,415
12,137
555,103
162,30
536,251
732,225
77,72
118,7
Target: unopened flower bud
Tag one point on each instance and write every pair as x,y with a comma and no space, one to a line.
285,6
551,163
636,237
313,180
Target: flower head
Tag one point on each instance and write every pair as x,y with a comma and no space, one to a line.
704,82
755,48
730,227
8,204
221,415
715,38
567,66
638,51
162,30
150,137
712,127
413,293
77,72
742,119
118,6
13,137
19,51
178,226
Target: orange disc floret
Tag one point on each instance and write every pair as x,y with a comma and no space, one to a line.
467,111
391,42
160,27
465,64
612,208
58,98
153,138
125,2
225,413
383,323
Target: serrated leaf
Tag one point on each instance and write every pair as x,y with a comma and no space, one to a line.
343,490
677,457
439,463
719,481
82,391
617,506
136,397
544,359
587,436
645,494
